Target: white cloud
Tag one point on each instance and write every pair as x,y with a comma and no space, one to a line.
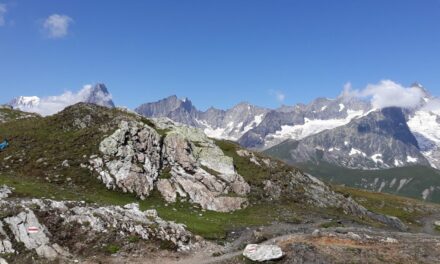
57,26
279,95
3,11
387,93
53,104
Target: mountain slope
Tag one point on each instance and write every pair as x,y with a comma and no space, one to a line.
98,158
376,141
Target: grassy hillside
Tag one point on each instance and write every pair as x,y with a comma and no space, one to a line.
38,147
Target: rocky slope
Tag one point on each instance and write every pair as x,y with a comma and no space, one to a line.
37,227
95,154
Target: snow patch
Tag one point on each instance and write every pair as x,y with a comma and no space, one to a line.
354,151
398,163
341,107
403,182
382,185
377,158
411,159
310,127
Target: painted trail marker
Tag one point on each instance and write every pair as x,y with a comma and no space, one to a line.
32,229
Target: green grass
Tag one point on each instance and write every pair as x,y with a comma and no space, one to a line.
112,249
406,209
252,173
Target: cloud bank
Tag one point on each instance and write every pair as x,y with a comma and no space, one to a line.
53,104
387,93
3,11
57,26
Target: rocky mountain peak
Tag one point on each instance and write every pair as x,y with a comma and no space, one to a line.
99,95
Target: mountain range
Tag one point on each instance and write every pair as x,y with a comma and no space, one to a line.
347,133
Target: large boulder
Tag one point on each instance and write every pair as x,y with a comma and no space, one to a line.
262,253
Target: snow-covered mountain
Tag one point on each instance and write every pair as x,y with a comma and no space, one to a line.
97,94
301,120
324,124
379,140
25,102
223,124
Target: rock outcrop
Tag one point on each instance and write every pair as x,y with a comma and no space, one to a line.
131,158
201,172
26,229
38,234
183,163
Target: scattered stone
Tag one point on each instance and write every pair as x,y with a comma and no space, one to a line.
65,163
389,240
353,236
262,253
5,191
437,223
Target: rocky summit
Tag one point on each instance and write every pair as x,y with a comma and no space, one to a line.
93,184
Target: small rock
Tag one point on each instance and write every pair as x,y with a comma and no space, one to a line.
316,232
353,236
262,253
389,240
65,163
437,223
5,191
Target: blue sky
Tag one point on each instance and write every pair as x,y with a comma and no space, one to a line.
216,52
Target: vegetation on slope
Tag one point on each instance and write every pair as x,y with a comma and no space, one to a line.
416,179
33,165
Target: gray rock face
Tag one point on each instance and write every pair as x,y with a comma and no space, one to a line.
229,124
99,95
27,229
134,156
5,191
128,220
5,241
299,121
377,141
261,253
